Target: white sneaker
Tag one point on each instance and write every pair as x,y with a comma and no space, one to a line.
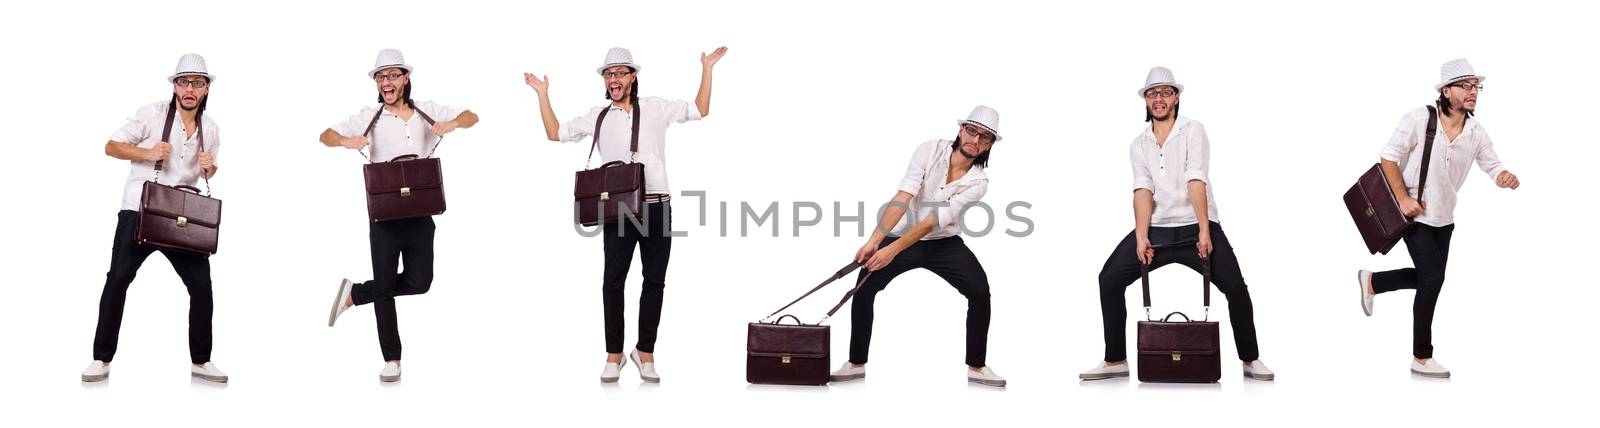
1105,371
1365,279
848,372
338,301
612,372
985,377
1258,370
647,371
208,372
97,371
1430,369
390,373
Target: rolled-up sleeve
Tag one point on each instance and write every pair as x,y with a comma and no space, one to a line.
918,167
137,129
679,111
356,124
1487,159
1197,159
576,130
1402,142
949,214
1141,171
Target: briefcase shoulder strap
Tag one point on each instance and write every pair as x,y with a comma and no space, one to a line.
166,135
1205,281
633,145
373,124
840,274
1427,149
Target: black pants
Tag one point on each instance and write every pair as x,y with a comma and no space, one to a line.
655,248
1430,248
1122,269
392,239
126,257
949,258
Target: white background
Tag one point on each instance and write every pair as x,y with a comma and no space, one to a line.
815,101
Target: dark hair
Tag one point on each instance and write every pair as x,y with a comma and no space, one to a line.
982,160
405,92
1444,103
1150,117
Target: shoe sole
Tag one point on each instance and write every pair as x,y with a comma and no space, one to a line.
383,378
609,379
994,383
1445,375
209,378
1084,376
338,301
846,378
1265,378
95,378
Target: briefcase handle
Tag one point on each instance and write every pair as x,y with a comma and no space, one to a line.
191,189
836,275
1205,284
789,316
403,157
1181,314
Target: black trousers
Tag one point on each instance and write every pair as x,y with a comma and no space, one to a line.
412,239
1122,269
126,257
1430,249
655,248
949,258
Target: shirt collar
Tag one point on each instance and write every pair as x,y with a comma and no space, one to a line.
1177,128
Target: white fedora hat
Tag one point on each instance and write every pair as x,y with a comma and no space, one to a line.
191,65
388,58
1455,71
1159,76
616,57
985,117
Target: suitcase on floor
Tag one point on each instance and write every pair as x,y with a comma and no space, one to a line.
794,354
1179,351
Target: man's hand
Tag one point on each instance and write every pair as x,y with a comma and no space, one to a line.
159,152
1507,180
706,60
537,84
354,143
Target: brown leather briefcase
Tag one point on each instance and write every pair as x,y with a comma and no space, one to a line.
179,217
615,189
794,354
1179,352
406,186
1374,206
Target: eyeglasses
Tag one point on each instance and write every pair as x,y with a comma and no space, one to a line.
193,83
616,74
973,131
390,76
1163,93
1469,86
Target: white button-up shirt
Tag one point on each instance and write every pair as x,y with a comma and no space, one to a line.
182,166
1449,166
1166,170
617,135
394,137
925,180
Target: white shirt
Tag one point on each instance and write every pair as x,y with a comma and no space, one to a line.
1167,169
182,166
394,137
617,135
1448,168
930,196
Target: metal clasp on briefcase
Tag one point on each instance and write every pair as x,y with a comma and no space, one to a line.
405,192
183,221
785,358
605,196
1177,357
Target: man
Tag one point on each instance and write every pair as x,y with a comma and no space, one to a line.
943,179
399,127
653,237
145,141
1172,203
1462,142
